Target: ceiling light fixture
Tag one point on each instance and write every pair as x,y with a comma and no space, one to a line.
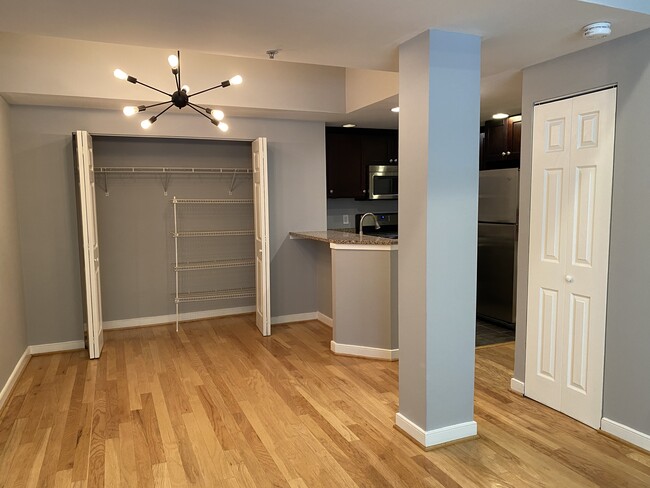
500,116
395,109
180,98
348,126
597,30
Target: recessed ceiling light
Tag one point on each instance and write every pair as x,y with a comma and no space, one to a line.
395,109
348,126
500,116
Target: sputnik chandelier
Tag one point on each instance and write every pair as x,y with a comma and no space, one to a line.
180,98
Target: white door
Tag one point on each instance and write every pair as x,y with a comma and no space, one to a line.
90,244
573,155
262,256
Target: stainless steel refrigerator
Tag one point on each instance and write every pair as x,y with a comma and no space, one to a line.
498,214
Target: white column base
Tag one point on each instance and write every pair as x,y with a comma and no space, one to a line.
364,351
517,386
442,435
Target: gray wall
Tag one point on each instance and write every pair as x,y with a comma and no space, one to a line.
625,61
323,256
337,207
42,151
12,326
136,220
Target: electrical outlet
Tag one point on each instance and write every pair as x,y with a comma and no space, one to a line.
346,219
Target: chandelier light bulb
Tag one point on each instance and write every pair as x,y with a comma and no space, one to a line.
223,127
173,60
130,110
217,114
145,124
186,89
119,74
236,80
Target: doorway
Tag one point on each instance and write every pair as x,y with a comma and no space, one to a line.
158,255
573,155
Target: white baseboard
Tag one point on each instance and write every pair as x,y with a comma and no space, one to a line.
517,386
56,347
296,317
438,436
364,351
626,433
167,319
325,319
13,377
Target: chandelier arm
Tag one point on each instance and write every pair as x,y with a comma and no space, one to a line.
152,88
195,105
177,74
191,105
170,106
220,85
154,105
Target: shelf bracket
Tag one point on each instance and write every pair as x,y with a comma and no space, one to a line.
105,185
165,183
232,183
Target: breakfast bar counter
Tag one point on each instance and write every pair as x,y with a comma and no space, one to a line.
363,276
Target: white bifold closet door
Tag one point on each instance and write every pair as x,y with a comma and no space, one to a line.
262,255
87,215
573,154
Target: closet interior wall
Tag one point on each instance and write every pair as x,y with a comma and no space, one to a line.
136,223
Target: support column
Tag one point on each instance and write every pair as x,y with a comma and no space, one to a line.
439,78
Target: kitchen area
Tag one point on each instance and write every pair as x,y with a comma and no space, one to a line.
357,256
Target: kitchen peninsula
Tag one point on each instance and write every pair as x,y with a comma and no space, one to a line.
363,275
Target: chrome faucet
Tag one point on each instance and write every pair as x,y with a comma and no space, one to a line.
377,226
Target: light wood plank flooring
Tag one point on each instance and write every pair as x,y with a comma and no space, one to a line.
217,405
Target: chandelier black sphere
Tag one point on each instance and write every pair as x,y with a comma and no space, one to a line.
180,98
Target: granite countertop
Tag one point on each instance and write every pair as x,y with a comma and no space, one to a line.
337,237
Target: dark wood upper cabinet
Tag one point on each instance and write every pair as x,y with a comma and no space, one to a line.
349,152
343,159
501,143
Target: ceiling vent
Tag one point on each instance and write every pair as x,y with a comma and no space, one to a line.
597,30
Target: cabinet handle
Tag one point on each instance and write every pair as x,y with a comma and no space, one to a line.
568,279
331,191
508,153
503,153
364,191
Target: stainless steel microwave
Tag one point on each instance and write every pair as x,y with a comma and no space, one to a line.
382,182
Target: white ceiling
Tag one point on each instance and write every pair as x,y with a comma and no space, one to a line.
348,33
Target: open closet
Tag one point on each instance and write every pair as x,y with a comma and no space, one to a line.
181,226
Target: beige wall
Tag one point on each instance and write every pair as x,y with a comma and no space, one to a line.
13,332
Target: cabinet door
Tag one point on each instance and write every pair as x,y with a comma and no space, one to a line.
496,140
343,156
513,150
393,146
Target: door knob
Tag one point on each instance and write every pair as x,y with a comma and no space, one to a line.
568,279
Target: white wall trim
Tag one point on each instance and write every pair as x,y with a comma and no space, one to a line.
14,376
56,347
626,433
168,319
364,351
517,386
321,317
296,317
442,435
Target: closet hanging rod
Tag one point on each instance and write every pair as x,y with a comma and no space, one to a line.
171,170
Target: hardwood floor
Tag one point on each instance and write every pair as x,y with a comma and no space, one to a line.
217,405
